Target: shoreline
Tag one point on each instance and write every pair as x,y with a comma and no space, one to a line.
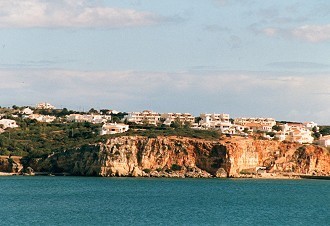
258,177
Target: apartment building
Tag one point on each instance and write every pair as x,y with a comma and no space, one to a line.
88,118
182,118
216,121
144,117
256,124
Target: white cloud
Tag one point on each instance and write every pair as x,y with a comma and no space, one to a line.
298,64
68,13
313,33
309,33
270,31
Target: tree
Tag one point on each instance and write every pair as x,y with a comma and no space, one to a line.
104,111
115,119
65,111
271,134
198,119
277,128
176,124
325,130
187,125
246,130
15,107
93,111
317,135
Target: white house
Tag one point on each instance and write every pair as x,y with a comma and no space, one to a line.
295,132
311,125
44,105
27,111
88,118
42,118
180,117
8,123
113,128
114,112
256,124
324,141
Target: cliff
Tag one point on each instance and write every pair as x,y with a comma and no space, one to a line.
187,157
10,164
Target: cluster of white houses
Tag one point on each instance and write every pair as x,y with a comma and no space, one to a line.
293,132
92,118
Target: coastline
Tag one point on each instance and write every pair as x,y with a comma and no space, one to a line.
264,176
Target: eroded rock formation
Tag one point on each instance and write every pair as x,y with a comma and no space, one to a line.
187,157
10,164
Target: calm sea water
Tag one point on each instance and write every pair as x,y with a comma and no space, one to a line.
140,201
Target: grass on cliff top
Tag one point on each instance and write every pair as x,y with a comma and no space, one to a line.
35,139
183,131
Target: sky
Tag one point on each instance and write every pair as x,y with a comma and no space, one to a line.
248,58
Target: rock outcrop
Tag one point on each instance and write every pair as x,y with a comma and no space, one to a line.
10,164
187,157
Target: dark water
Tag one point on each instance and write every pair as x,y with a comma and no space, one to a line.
131,201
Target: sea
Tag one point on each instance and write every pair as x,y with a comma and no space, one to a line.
53,200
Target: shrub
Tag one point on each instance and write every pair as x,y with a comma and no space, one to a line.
147,170
176,167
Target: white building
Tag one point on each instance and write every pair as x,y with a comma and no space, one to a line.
44,106
144,117
113,128
295,132
114,112
256,124
27,111
324,141
88,118
311,125
42,118
8,123
207,118
180,117
216,121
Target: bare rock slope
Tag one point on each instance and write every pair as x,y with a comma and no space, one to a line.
187,157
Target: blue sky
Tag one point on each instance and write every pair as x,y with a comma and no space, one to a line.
246,58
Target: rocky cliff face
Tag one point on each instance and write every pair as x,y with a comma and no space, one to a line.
187,157
10,164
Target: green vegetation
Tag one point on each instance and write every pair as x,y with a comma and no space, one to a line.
152,131
271,134
277,128
324,130
38,140
35,139
176,167
147,170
